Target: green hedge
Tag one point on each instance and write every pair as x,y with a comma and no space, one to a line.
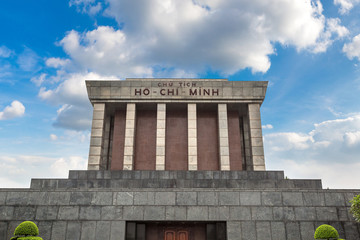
26,231
355,207
27,228
326,232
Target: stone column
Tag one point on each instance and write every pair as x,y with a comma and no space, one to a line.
257,147
160,136
223,137
105,158
129,136
96,140
247,147
192,139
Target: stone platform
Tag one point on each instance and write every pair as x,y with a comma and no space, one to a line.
253,205
175,179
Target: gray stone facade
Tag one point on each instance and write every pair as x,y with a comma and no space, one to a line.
244,205
254,205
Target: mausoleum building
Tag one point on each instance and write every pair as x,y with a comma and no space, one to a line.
177,159
176,124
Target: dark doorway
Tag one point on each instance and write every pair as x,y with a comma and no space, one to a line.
175,231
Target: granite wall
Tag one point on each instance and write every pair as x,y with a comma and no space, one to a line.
254,205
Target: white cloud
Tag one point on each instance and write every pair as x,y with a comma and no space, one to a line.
335,175
5,72
333,135
335,113
335,130
33,159
17,171
56,62
39,80
5,52
16,109
333,31
62,166
267,126
329,143
74,117
53,137
352,49
11,183
80,136
28,60
171,38
352,138
288,141
87,6
71,95
71,90
106,51
334,26
94,9
330,151
346,5
7,159
192,36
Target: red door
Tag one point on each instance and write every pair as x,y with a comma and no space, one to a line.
182,235
176,235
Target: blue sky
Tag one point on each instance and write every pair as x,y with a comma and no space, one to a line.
309,51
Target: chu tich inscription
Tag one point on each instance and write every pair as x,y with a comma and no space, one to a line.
176,89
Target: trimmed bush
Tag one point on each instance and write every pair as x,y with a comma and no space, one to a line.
26,231
326,232
355,207
27,228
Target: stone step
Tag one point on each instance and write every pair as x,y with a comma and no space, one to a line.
137,174
84,184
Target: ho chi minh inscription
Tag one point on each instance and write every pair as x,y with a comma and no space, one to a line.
189,90
185,89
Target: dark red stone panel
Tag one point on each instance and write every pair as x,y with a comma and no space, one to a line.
176,138
145,140
207,139
117,158
234,141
